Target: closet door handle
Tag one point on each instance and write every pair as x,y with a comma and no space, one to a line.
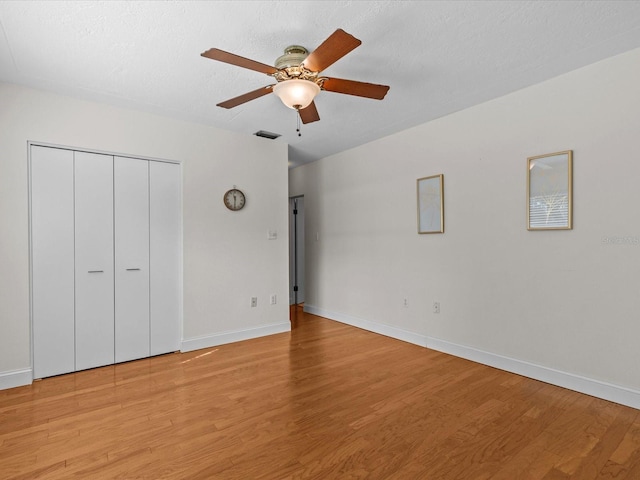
132,269
96,271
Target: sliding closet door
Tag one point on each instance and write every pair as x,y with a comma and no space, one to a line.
131,201
52,272
165,248
94,260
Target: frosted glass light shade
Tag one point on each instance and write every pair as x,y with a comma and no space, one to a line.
296,94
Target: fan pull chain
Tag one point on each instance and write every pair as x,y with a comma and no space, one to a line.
298,122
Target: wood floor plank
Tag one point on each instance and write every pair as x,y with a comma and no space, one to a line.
325,401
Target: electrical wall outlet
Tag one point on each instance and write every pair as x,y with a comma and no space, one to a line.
436,307
273,299
405,303
254,301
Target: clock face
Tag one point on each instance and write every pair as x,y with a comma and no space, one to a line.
234,199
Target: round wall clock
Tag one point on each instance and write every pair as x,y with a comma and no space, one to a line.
234,199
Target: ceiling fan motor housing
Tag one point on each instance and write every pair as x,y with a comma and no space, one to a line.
290,66
293,56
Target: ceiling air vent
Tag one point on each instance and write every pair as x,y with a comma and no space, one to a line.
265,134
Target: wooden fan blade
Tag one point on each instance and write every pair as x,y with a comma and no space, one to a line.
331,50
309,113
351,87
222,56
234,102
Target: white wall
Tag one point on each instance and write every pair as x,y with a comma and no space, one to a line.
562,306
227,256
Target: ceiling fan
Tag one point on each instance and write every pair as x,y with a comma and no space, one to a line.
297,74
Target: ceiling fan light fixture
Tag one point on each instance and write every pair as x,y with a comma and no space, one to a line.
296,94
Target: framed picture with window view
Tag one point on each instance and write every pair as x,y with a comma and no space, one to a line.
431,204
549,191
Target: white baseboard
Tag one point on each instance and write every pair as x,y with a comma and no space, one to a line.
382,329
18,378
207,341
589,386
15,378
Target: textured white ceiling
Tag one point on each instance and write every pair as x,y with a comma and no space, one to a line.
437,56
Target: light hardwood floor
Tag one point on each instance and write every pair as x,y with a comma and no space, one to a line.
327,401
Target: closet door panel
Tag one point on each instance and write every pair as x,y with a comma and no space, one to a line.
131,203
94,260
52,257
165,248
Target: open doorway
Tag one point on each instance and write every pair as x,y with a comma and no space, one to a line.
296,250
